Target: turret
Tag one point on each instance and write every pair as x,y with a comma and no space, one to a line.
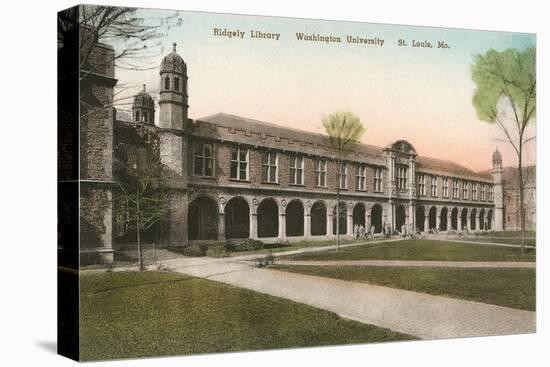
498,190
143,108
173,102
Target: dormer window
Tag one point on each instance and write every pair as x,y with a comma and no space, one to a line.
176,84
167,83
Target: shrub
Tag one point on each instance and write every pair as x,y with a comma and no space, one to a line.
243,245
194,251
217,251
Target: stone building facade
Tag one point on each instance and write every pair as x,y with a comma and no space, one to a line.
232,177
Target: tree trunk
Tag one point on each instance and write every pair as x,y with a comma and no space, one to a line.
138,237
521,195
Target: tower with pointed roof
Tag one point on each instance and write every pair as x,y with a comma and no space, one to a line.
173,101
173,120
496,172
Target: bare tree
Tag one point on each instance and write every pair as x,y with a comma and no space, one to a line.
344,130
506,95
138,167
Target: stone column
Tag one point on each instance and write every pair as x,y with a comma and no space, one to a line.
221,226
426,222
412,216
449,220
459,220
307,225
282,226
469,221
349,224
437,218
475,222
253,225
330,217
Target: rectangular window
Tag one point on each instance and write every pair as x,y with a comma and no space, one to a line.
445,187
421,184
377,184
464,190
269,167
434,186
344,176
483,192
401,177
320,173
204,160
239,164
361,178
491,193
474,191
296,176
455,189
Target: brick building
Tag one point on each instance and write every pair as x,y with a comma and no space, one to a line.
232,177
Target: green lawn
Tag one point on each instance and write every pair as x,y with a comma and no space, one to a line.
130,314
496,239
421,250
505,287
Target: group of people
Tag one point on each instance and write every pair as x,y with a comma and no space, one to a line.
406,230
359,231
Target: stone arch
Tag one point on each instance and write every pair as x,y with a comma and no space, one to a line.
237,218
490,219
376,218
464,218
432,220
454,218
294,218
482,219
443,225
342,218
202,218
420,217
400,217
318,218
473,219
268,218
359,211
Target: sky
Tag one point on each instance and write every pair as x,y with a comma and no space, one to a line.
423,95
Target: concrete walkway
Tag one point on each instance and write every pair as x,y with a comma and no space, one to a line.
408,263
421,315
451,239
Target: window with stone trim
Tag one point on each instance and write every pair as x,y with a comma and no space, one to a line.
239,163
421,184
343,176
320,173
482,192
434,186
377,183
269,167
137,117
296,176
177,84
361,177
167,83
401,176
491,193
474,191
455,188
203,160
464,190
445,187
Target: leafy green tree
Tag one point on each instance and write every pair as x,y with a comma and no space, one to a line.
506,96
344,130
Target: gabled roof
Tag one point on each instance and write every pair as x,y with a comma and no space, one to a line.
243,130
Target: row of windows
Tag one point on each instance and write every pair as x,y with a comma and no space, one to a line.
486,191
175,84
239,168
